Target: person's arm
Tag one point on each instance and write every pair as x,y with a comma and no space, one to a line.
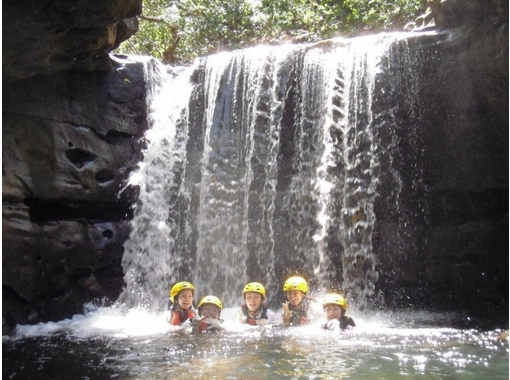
333,325
241,318
286,314
213,324
195,329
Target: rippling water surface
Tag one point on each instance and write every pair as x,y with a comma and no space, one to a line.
116,344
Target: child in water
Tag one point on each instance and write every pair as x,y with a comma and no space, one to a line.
209,310
254,311
181,296
299,309
335,306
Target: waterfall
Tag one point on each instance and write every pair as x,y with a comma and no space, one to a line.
239,170
260,163
348,173
148,266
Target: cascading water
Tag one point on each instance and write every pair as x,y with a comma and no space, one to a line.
267,166
237,192
147,261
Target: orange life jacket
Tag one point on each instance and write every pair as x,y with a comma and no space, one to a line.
202,327
180,316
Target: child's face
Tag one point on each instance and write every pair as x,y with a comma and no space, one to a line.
253,300
209,311
185,298
295,297
333,311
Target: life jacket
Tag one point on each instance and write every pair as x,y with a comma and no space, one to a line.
179,316
299,315
203,327
250,319
346,322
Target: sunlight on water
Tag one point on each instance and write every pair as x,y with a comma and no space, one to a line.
114,322
124,322
121,343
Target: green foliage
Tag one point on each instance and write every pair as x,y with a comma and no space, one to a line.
208,26
378,15
158,31
177,31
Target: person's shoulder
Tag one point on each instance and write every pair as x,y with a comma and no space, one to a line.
347,322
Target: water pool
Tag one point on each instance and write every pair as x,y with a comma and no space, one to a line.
109,344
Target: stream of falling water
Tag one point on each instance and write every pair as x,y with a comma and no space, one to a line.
147,261
287,173
241,131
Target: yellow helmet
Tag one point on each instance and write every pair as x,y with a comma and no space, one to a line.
178,287
295,283
255,287
335,299
211,299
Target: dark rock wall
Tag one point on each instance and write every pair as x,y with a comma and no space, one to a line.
70,141
59,35
442,219
73,120
442,241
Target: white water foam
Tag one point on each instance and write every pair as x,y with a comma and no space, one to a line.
120,322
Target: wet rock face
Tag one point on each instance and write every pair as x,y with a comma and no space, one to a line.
70,141
73,119
444,245
448,14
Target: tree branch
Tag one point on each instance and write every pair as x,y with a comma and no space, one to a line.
158,20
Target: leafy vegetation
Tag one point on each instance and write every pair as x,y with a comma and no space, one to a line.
177,31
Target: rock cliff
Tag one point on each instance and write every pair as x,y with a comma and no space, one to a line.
73,122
